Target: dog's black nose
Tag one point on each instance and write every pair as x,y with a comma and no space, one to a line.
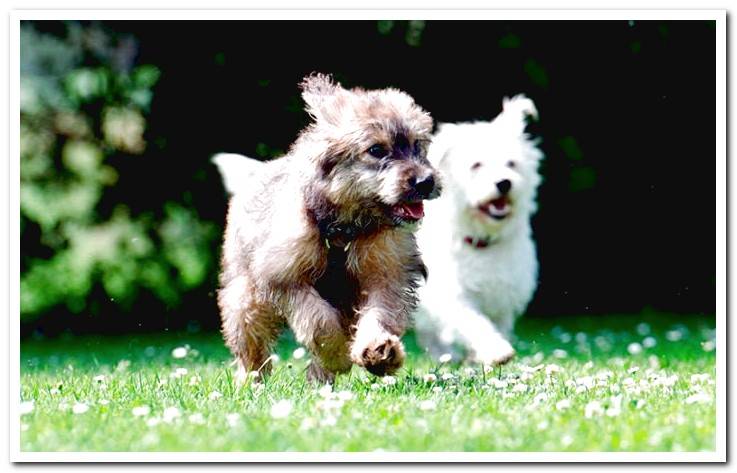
424,186
504,186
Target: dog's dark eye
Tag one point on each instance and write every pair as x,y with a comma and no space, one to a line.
377,151
511,164
475,166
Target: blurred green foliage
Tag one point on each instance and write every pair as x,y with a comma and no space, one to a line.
83,100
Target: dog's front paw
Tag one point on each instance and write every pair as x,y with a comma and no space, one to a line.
493,354
381,356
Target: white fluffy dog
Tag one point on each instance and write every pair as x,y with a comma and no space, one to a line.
476,239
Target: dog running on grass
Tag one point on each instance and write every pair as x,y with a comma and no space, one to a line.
322,239
477,240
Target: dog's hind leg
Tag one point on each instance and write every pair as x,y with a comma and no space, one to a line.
250,328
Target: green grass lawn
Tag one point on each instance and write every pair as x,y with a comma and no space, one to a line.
624,383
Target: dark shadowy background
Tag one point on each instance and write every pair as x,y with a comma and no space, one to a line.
121,210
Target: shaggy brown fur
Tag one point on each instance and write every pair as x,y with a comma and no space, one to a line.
321,239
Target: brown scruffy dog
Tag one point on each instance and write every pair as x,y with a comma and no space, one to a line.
321,239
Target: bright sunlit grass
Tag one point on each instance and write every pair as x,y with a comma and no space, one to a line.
579,384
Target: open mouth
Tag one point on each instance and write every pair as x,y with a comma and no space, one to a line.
498,208
408,211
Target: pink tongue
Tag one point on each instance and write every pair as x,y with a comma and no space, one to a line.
499,203
414,209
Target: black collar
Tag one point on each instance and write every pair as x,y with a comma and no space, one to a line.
478,243
338,234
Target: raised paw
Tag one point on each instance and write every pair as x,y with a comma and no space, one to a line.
381,356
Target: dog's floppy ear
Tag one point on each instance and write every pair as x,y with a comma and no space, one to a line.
516,110
322,96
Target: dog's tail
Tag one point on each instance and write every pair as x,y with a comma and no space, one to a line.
516,110
236,170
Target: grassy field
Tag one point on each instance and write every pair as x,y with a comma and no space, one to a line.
624,383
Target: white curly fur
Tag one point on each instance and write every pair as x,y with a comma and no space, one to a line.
473,296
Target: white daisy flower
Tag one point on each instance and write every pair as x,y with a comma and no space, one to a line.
427,405
153,421
326,391
100,378
389,380
232,419
80,408
26,407
634,348
673,335
447,376
214,395
709,345
179,352
345,395
445,358
649,342
140,411
539,399
429,378
552,369
593,408
615,406
563,404
560,354
281,409
178,373
103,402
196,418
519,388
437,389
699,397
299,353
643,329
587,382
330,404
307,423
329,421
497,383
700,378
171,414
